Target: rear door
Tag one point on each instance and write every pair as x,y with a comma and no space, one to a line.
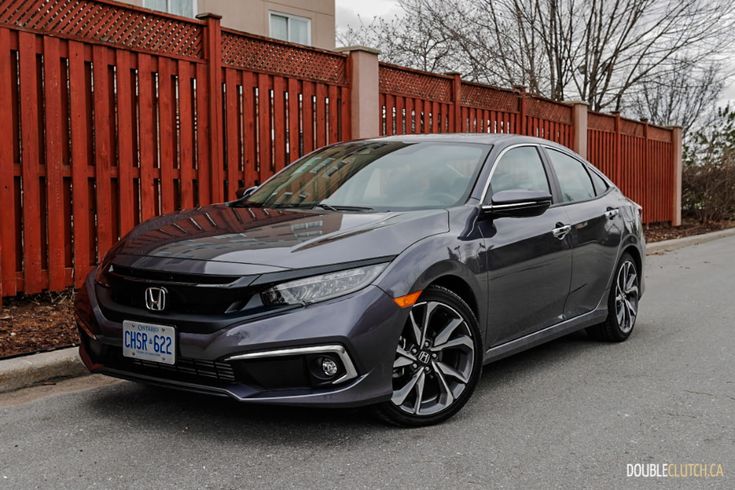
597,228
529,263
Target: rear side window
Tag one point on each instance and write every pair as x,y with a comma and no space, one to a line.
574,181
520,169
599,183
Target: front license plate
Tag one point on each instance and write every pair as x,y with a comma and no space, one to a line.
149,342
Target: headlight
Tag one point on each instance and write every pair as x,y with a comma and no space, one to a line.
322,287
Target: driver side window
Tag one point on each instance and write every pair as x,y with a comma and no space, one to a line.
520,169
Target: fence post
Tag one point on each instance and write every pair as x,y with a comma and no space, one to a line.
579,123
456,101
213,56
676,142
618,151
522,96
363,71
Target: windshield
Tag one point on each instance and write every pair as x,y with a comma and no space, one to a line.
380,175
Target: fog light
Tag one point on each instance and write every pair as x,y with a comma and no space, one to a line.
329,367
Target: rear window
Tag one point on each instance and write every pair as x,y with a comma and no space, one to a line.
599,183
574,181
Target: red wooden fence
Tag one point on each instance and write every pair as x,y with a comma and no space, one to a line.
638,157
112,114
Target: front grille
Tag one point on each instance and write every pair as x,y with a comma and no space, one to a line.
197,294
188,370
191,368
175,277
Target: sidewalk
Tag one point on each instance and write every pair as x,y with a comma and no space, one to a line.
21,372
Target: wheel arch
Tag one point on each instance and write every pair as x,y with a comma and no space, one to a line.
459,286
636,254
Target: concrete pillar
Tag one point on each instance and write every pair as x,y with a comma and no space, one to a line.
579,123
364,91
676,141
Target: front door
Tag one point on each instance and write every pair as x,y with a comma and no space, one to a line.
529,257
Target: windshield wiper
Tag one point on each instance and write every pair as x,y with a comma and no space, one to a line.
325,206
331,207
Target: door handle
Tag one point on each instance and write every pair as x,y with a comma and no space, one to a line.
561,231
612,212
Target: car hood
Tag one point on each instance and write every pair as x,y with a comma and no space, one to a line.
258,240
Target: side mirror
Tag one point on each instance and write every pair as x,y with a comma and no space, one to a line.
243,192
518,202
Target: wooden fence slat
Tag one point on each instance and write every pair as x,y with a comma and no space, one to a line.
418,105
251,168
409,115
293,120
79,162
29,117
345,128
147,129
8,238
279,123
186,130
202,136
232,132
321,117
126,142
167,123
264,126
103,157
332,117
54,163
307,110
390,105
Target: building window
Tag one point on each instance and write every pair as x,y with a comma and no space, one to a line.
290,28
184,8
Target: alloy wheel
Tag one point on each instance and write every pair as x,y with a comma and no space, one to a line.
434,359
626,296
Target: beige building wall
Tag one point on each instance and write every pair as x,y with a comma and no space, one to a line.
253,15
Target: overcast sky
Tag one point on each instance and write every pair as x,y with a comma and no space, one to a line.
347,12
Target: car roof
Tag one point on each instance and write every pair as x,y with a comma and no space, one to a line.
483,138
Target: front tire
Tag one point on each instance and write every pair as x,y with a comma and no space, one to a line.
622,304
438,361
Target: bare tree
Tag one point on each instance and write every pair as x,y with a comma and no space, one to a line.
683,94
597,50
415,45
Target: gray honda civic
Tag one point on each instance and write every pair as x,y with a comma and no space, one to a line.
383,272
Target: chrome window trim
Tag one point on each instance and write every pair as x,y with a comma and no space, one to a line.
340,351
500,155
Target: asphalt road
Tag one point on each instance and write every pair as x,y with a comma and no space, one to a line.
569,414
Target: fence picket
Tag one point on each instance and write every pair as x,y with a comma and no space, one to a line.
30,143
8,238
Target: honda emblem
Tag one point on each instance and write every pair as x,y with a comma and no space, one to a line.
155,299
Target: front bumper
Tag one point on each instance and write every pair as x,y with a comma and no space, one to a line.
364,326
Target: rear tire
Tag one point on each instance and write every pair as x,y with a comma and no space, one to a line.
438,361
622,304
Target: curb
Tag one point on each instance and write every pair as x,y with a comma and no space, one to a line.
677,243
21,372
